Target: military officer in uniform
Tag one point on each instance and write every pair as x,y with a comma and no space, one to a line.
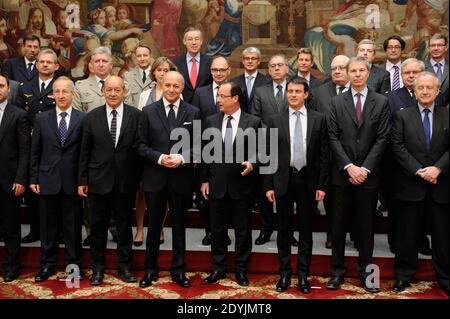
88,92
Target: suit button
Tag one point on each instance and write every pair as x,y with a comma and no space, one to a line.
357,141
40,102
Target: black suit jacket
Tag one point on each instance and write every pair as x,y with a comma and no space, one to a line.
409,149
32,100
443,97
204,76
155,140
52,166
223,177
260,80
317,153
14,148
101,165
400,99
204,100
363,144
323,96
379,80
264,103
16,70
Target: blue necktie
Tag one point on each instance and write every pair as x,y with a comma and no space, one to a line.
62,129
29,69
426,127
249,85
439,71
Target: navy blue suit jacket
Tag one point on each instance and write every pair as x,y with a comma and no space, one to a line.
154,140
204,100
260,80
16,70
55,167
400,99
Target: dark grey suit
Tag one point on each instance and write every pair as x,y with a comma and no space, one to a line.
442,99
379,80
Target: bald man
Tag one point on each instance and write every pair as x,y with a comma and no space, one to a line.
109,175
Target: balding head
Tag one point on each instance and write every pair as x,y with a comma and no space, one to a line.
173,84
114,91
339,74
426,88
220,69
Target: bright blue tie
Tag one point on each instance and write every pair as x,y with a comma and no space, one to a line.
62,129
426,127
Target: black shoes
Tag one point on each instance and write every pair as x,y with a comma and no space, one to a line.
181,280
44,274
87,241
335,283
262,238
303,285
97,278
146,281
206,241
30,238
400,285
369,288
137,243
242,279
127,276
283,283
214,277
11,276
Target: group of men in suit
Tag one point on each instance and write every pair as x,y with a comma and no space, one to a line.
331,140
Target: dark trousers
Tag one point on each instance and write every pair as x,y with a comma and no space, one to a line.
9,210
32,202
298,192
68,209
265,210
363,202
178,206
87,220
240,212
328,205
409,224
120,205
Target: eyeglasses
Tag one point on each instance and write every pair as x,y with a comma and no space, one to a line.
338,67
390,47
247,58
274,65
219,70
221,96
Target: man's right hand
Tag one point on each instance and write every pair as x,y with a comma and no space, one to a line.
36,188
270,195
83,190
204,189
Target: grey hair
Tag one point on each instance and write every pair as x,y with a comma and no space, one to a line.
413,60
252,50
438,36
367,41
50,52
344,57
358,59
278,56
102,50
427,73
64,78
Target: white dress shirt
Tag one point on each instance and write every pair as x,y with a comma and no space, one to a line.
189,63
307,78
47,82
275,89
236,116
176,106
119,119
292,121
28,61
67,118
2,109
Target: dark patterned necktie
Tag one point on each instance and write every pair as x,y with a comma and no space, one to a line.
62,129
114,127
171,118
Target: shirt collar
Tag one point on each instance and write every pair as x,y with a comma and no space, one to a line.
176,104
236,115
118,109
442,62
363,92
253,74
59,111
215,85
189,58
390,65
275,84
421,108
97,79
46,82
3,105
302,110
28,61
308,77
147,70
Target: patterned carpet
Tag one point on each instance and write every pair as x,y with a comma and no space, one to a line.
261,287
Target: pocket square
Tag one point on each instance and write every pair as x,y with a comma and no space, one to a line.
187,123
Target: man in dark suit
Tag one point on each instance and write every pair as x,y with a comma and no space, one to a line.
322,102
399,100
55,151
14,159
251,78
23,69
109,175
168,177
194,66
301,178
36,96
420,144
379,79
268,100
358,131
394,46
305,62
205,98
228,183
437,51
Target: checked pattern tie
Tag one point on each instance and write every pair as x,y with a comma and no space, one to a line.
114,127
62,129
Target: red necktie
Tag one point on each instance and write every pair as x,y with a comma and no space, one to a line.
358,108
194,72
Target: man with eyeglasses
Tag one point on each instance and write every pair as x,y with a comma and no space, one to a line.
251,78
437,51
34,97
205,98
394,46
194,66
228,183
379,79
339,84
268,100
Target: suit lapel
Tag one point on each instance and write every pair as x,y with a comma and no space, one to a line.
349,106
436,125
309,125
162,114
75,118
53,124
23,68
7,116
125,120
332,89
185,71
416,121
213,104
35,87
404,95
181,115
285,125
201,70
368,107
104,125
